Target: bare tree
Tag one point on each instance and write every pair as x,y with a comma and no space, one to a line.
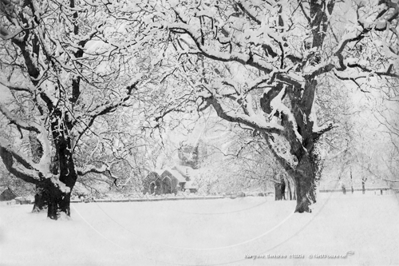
74,63
258,64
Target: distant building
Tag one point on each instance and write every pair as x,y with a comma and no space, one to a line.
6,194
168,181
152,184
173,181
189,175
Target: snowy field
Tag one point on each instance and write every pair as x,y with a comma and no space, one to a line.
342,230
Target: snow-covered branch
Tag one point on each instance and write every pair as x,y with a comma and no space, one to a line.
256,122
104,109
245,59
24,170
345,75
14,87
110,107
285,162
16,121
248,13
105,169
4,144
319,70
317,132
44,163
389,12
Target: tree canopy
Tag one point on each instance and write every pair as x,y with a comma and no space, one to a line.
68,65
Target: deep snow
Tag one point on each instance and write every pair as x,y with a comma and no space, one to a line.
206,232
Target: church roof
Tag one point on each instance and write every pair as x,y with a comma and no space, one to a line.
174,174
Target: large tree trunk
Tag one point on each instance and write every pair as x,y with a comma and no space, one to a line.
308,168
305,191
40,200
305,184
63,165
43,191
48,195
58,202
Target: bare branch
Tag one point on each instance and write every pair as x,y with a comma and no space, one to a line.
9,156
105,109
323,129
105,169
245,59
245,10
16,121
232,116
286,164
15,87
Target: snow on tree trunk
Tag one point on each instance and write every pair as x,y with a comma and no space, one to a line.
37,153
59,200
58,203
40,201
53,198
49,194
305,191
305,181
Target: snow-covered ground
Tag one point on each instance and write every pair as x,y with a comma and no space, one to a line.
342,230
